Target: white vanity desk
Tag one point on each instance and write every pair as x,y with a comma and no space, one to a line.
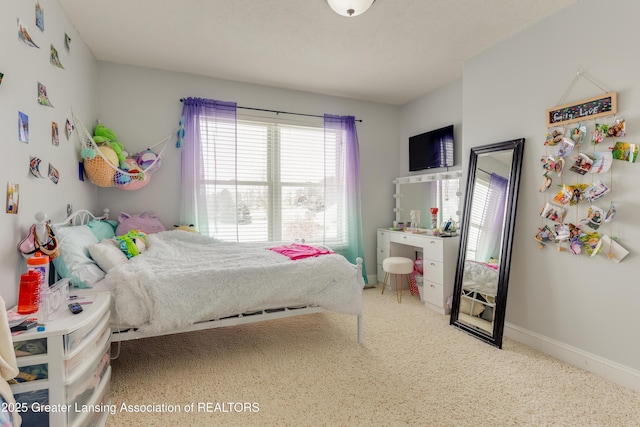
439,256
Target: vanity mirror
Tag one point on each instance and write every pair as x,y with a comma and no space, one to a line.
422,192
484,255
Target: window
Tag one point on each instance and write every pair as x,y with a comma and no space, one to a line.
487,218
480,194
275,181
448,194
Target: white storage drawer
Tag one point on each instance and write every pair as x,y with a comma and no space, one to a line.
380,274
74,351
382,254
73,340
407,239
100,397
383,239
433,293
438,256
97,340
434,250
81,388
433,271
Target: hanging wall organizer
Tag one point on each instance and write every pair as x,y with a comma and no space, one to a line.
105,169
584,139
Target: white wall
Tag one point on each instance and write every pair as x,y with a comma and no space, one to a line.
581,309
142,105
586,303
75,88
440,108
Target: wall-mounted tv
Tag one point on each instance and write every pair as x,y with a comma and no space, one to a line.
433,149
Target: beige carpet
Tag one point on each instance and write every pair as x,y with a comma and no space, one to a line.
412,370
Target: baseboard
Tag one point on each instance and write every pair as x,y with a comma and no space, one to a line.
604,368
372,281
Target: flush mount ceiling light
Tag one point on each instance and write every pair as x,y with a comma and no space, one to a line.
350,8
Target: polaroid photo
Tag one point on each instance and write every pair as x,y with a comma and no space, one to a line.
553,212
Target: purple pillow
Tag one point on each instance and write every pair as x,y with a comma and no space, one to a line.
145,222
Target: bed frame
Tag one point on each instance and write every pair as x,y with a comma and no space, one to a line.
83,216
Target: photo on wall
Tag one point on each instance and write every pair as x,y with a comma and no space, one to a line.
13,197
43,98
55,58
23,34
23,127
39,16
55,134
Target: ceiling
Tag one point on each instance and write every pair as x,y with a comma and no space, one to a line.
397,51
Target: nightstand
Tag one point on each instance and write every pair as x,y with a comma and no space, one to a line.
66,367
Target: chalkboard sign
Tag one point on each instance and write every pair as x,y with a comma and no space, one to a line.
603,105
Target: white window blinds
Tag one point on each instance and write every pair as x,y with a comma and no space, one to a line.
275,181
480,194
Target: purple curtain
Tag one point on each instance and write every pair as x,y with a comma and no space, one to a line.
345,128
200,117
490,238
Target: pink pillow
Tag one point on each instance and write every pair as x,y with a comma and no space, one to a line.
145,222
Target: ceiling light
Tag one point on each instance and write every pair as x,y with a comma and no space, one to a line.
350,8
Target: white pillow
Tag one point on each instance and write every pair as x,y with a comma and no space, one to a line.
74,261
107,254
465,307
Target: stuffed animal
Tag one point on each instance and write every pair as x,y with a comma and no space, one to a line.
145,222
105,137
88,153
104,134
133,243
186,227
121,153
147,159
109,154
122,178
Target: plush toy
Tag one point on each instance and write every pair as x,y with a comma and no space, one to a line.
109,154
88,153
121,153
121,178
145,222
105,137
104,134
186,227
131,166
147,158
133,243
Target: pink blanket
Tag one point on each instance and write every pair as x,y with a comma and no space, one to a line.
298,251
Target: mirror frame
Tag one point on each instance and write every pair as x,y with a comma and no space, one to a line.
517,145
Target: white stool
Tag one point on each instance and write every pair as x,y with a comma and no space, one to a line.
398,266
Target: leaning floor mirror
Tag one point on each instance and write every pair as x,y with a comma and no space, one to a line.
487,227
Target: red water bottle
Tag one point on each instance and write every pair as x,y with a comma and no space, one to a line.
29,295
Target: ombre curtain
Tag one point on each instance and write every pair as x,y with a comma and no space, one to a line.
213,119
344,127
490,238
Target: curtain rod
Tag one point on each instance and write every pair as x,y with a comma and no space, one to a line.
280,112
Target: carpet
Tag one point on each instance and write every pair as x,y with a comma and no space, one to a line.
413,369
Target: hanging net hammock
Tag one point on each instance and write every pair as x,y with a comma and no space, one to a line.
104,169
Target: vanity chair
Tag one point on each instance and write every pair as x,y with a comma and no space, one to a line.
398,266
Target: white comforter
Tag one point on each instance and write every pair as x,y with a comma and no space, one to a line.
480,277
185,277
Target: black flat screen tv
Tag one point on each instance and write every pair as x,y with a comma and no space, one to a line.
433,149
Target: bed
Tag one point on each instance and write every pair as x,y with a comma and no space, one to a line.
186,282
479,289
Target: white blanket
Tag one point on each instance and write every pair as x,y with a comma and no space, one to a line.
480,277
184,278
